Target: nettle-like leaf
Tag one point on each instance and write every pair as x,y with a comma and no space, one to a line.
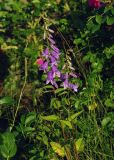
79,145
66,123
75,115
58,149
8,146
31,117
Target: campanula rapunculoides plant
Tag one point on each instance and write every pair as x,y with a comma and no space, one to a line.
57,124
49,64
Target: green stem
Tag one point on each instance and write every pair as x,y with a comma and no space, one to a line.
20,97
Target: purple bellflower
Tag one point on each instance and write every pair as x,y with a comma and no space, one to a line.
49,64
44,66
50,79
55,71
45,53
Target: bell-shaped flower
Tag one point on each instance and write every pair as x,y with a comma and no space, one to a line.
55,71
44,66
53,61
50,79
73,87
45,53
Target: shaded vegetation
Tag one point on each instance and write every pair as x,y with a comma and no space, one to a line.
37,120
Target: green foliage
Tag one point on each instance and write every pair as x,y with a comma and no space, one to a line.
49,123
8,146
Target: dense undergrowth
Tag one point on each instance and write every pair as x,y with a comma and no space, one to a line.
37,120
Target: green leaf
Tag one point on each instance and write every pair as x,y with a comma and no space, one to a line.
6,101
112,10
31,117
58,149
66,123
92,107
3,14
79,145
105,121
109,103
99,19
96,27
50,118
110,20
72,117
8,146
59,90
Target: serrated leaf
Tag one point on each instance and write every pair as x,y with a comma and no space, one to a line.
8,146
50,118
75,115
66,123
79,144
58,149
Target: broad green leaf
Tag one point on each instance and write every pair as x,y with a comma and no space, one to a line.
50,118
105,121
8,146
110,20
66,123
99,19
95,28
79,145
6,101
58,149
109,103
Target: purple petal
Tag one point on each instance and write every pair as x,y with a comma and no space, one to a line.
55,71
55,54
65,84
55,84
73,75
51,40
73,87
49,77
44,66
45,53
53,61
66,76
54,48
62,77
